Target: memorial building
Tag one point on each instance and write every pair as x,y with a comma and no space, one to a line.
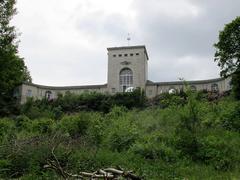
127,68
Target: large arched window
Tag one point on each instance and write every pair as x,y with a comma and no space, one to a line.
126,79
48,95
214,87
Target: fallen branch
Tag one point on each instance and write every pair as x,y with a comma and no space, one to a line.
106,174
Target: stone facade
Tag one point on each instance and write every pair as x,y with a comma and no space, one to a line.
134,58
219,84
127,67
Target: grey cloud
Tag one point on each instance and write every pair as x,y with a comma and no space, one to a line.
188,35
170,38
178,45
99,25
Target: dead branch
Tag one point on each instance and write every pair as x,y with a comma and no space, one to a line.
106,174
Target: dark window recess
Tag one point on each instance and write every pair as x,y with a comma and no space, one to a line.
114,55
125,54
131,54
137,54
113,90
119,55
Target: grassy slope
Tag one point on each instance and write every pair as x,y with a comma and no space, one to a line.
140,140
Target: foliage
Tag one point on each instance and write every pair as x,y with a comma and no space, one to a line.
7,129
75,126
236,84
154,147
186,132
72,103
196,139
228,48
228,53
165,100
229,117
121,136
219,151
12,70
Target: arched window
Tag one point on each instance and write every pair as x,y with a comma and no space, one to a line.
214,87
193,88
29,93
48,95
126,79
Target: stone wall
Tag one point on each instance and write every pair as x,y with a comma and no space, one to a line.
39,92
220,84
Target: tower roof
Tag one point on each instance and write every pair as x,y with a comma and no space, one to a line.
129,47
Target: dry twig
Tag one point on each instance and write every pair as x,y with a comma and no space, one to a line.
106,174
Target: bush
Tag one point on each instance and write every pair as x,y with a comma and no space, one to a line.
188,128
230,116
76,126
198,139
218,151
165,100
36,109
121,135
7,129
23,123
154,147
130,100
72,103
43,126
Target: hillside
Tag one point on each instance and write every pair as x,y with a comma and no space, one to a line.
178,138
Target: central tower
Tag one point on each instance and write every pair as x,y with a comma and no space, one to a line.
127,67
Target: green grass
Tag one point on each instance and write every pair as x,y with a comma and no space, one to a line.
145,141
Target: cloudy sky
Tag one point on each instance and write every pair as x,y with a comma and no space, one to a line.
64,41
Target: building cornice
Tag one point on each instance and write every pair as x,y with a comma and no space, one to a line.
129,47
188,82
66,87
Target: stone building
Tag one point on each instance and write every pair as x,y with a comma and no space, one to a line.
127,67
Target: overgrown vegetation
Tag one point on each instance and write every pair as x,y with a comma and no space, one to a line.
178,136
72,103
181,136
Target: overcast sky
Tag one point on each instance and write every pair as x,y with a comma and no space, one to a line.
64,41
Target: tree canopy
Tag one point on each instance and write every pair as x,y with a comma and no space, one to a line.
228,54
13,70
228,48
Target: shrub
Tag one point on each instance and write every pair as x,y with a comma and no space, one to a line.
36,109
7,129
121,135
94,133
135,99
166,100
23,123
75,125
186,132
187,142
58,113
230,116
154,147
43,126
218,151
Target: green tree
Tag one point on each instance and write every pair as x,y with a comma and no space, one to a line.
12,67
228,53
